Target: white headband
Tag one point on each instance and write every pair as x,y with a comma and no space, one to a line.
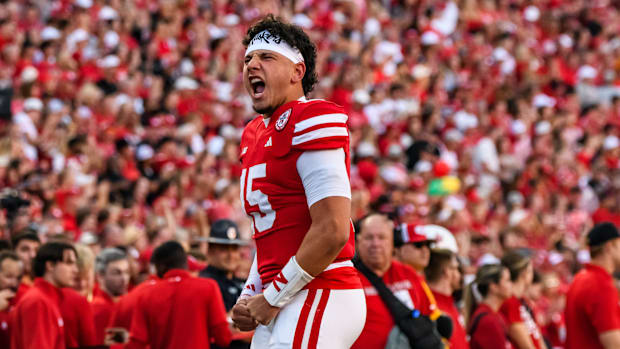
266,41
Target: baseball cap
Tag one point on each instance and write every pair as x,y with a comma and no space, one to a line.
225,232
409,234
601,233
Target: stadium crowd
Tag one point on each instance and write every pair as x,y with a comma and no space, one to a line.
120,123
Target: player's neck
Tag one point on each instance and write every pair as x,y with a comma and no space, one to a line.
295,95
493,302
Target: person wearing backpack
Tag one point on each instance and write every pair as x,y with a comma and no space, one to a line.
484,296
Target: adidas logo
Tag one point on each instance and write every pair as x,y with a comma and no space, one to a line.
268,144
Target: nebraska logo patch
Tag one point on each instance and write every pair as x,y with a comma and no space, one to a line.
283,120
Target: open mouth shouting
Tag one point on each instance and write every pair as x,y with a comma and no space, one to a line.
257,87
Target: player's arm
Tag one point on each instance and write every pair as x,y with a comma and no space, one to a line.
610,339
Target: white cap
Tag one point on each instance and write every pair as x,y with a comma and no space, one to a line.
518,127
144,152
303,21
110,61
543,128
423,166
444,240
488,258
29,74
420,71
566,41
231,20
531,13
366,149
542,100
84,112
516,217
84,3
465,120
108,14
453,135
55,105
361,96
430,38
185,83
77,36
611,142
50,33
186,66
33,104
586,72
111,39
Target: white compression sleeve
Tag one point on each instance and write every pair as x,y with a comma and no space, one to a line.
324,174
254,284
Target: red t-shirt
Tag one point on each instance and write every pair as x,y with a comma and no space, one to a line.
490,332
103,307
400,279
78,319
591,308
36,321
180,311
273,194
445,303
514,312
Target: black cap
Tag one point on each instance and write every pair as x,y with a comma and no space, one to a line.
225,232
601,233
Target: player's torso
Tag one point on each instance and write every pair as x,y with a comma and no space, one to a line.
271,189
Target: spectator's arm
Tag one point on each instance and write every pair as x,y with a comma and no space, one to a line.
520,336
610,339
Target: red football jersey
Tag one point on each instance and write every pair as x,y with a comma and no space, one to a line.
272,191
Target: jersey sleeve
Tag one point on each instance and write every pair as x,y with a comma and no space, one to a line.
253,285
320,125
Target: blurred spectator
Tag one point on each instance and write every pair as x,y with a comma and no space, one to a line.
444,278
224,259
112,268
375,245
26,246
10,274
194,319
592,308
523,330
484,296
54,267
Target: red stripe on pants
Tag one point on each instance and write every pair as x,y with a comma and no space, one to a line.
316,323
303,319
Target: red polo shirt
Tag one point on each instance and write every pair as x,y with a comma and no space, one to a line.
36,322
445,303
78,318
400,278
123,311
490,332
5,338
591,308
180,311
103,307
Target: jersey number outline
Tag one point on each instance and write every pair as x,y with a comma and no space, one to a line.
257,198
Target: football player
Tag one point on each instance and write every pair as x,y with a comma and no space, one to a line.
303,291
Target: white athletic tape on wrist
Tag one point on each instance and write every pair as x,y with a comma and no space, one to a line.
267,41
253,284
291,279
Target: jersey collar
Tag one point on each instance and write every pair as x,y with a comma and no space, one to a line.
181,273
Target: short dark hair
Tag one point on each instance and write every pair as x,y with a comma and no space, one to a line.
438,262
5,245
50,252
167,256
7,255
29,235
294,36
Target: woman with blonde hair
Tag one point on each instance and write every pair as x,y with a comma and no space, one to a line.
483,298
523,330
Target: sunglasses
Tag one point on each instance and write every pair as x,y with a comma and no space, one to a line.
421,244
